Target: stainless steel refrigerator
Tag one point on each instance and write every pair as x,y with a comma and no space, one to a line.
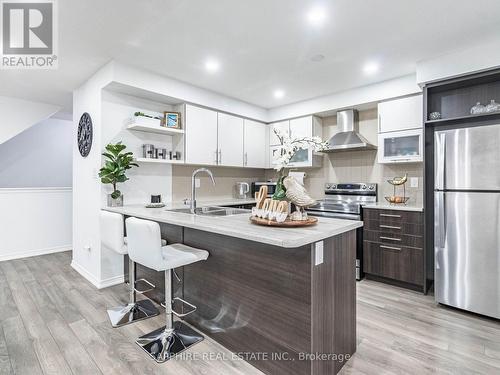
467,218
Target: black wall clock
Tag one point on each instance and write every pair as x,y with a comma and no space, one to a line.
85,134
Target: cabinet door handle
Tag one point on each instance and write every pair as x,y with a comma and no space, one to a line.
390,247
390,215
389,227
379,123
220,156
216,156
389,238
245,162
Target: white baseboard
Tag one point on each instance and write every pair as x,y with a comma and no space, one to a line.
120,279
99,284
35,252
86,274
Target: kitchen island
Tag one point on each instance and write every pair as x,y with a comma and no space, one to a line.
283,299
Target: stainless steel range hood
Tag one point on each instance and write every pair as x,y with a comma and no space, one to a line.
348,139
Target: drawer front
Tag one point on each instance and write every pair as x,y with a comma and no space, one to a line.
394,216
393,239
394,262
394,227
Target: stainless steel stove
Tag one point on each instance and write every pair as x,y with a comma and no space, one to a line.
344,201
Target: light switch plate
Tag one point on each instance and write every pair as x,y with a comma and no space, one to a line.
414,182
318,253
197,183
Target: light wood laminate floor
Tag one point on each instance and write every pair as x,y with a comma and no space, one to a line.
54,322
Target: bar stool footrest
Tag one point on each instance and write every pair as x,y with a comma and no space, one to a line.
144,290
191,308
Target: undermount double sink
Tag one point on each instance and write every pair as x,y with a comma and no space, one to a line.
212,211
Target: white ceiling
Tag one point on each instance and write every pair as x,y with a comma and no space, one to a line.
261,45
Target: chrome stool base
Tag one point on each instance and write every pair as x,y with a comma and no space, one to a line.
162,345
133,312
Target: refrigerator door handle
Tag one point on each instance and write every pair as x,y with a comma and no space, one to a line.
440,161
442,220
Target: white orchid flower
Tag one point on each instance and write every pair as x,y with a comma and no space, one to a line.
290,146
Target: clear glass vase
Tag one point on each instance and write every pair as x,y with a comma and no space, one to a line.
478,109
112,202
493,106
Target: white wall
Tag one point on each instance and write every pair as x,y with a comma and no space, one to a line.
186,92
86,184
484,55
362,95
40,156
34,221
147,179
17,115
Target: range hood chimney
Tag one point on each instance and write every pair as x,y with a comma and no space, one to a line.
348,137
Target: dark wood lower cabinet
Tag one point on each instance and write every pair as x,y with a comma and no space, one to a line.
270,305
393,243
394,262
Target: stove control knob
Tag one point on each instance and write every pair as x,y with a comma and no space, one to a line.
333,186
363,187
371,187
328,186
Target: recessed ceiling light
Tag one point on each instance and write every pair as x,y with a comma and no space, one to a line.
371,68
318,58
212,65
316,16
278,94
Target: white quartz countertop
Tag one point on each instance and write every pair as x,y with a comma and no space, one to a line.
240,226
399,207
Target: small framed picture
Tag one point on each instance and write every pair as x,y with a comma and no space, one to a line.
172,120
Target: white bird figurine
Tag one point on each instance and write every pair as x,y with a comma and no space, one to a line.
296,193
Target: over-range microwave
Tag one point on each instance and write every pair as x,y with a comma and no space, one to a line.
271,187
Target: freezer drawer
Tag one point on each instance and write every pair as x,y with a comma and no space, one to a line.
467,159
467,251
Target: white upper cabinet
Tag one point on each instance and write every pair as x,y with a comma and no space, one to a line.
201,136
400,114
301,127
282,126
255,144
401,147
309,126
230,140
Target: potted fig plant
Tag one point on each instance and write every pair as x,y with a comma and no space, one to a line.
114,170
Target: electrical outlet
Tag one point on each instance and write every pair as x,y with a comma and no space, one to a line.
414,182
318,253
197,183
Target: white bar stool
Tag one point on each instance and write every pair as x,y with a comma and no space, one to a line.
145,248
113,239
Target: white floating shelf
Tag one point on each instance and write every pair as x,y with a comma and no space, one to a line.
158,161
151,126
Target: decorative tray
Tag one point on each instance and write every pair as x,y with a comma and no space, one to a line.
287,223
